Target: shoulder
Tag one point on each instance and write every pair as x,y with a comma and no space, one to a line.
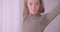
45,19
24,17
45,15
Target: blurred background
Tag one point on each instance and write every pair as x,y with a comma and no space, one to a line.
11,15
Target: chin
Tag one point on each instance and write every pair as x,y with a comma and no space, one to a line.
34,13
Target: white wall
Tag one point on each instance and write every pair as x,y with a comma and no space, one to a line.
49,5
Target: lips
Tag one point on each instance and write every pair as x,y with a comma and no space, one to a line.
33,10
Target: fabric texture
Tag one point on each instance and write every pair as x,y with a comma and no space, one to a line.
37,22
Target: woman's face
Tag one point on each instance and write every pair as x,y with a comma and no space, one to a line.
33,6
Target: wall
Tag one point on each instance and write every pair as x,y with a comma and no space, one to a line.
50,4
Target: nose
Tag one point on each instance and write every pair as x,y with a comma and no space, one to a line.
33,7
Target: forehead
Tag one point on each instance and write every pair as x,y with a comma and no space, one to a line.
33,1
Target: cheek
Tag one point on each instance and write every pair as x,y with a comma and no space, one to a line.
38,7
29,7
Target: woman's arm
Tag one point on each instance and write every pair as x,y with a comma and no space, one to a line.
54,13
50,16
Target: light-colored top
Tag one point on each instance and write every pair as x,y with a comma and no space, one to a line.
54,26
37,22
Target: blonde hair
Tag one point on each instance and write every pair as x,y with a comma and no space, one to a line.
26,10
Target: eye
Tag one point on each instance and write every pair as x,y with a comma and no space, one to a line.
30,3
37,4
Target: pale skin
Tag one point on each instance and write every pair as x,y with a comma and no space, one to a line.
34,5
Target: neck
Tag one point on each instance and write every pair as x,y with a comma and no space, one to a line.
37,14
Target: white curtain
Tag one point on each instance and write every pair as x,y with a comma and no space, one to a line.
1,20
10,16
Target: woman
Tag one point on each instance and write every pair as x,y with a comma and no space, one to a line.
33,20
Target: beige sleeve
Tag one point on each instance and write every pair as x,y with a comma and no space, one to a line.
24,17
50,16
54,13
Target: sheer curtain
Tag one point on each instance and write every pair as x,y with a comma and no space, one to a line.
1,20
10,16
